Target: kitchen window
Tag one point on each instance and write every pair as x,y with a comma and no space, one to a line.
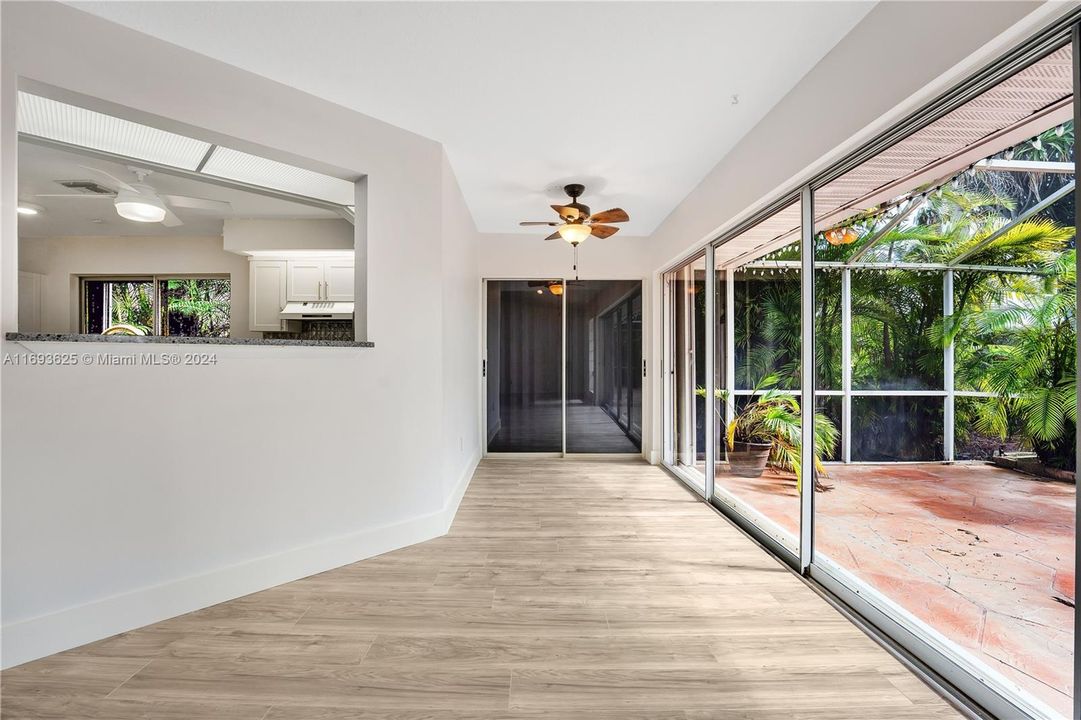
186,306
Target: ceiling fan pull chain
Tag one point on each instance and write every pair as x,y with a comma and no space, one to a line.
576,262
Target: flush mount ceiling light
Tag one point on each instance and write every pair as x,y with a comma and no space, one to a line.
29,209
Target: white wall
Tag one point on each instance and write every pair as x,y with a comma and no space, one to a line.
131,494
461,332
619,257
63,260
246,235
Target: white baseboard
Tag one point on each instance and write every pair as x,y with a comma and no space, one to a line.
65,629
450,509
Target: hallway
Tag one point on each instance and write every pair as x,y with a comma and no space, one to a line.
585,588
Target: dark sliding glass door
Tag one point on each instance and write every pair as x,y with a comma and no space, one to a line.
532,395
604,359
523,365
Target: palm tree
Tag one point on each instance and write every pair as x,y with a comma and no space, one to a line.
205,302
772,416
1028,358
131,303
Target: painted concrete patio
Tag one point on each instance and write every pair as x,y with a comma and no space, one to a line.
982,554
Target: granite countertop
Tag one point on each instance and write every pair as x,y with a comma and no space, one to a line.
174,340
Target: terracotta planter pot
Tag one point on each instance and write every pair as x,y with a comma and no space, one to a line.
748,459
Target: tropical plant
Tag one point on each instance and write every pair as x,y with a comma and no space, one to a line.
1026,350
204,302
131,303
772,416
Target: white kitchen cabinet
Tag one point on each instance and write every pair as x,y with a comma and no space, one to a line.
266,294
305,283
329,279
338,280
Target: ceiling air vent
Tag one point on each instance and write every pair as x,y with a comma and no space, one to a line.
87,186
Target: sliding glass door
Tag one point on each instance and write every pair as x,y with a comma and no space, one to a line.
685,371
523,366
604,378
562,366
878,379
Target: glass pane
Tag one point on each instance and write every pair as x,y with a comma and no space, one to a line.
634,323
964,266
195,307
758,375
688,367
603,366
828,337
896,429
118,306
893,312
524,357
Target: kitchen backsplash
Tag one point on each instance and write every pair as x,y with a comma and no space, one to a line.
317,330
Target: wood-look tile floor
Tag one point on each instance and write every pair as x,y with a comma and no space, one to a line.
595,589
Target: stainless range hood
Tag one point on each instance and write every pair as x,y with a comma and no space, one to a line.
317,311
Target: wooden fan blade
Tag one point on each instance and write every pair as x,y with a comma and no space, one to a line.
554,236
539,222
611,216
603,231
567,213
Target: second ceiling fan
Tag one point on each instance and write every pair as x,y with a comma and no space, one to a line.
576,222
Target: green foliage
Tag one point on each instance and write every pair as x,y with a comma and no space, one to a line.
1018,340
205,302
1014,334
132,303
772,416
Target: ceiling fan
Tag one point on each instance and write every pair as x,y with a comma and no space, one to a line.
576,222
140,202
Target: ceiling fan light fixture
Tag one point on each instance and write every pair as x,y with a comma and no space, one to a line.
139,207
555,287
574,233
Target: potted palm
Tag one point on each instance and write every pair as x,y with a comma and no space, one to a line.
767,432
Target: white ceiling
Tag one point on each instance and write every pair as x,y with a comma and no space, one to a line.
634,99
41,167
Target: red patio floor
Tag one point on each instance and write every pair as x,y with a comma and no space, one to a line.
983,555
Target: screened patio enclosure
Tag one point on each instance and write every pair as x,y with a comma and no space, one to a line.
876,376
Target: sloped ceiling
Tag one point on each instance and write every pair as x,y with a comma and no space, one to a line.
635,100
